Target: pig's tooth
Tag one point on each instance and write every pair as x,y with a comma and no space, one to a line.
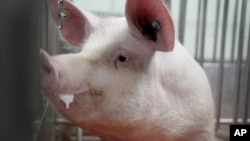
67,99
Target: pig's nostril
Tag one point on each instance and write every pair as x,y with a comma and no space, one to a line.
46,69
47,66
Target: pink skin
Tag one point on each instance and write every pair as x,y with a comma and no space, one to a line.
132,80
137,21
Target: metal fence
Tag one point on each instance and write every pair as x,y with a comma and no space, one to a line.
228,66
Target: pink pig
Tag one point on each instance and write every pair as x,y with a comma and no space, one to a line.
132,80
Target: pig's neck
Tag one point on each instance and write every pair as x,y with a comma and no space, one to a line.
151,136
137,135
149,133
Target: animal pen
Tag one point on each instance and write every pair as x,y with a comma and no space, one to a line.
215,32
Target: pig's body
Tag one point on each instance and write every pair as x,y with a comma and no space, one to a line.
126,87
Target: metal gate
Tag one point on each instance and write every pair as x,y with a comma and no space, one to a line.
227,65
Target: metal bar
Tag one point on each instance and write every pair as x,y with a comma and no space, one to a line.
227,121
44,24
203,34
62,121
239,61
198,30
247,92
41,121
216,30
19,68
221,63
169,4
79,134
182,20
234,30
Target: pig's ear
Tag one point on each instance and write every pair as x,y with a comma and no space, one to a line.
77,25
151,20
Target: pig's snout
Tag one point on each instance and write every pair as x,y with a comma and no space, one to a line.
59,74
47,68
49,73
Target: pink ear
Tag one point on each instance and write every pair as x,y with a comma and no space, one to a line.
76,26
150,19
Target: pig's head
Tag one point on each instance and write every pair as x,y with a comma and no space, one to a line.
114,85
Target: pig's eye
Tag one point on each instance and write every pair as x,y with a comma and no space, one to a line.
122,58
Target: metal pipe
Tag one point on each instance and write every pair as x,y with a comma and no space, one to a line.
216,30
227,121
169,4
198,30
60,120
41,121
247,86
45,26
234,30
19,71
203,34
182,20
221,64
239,61
79,134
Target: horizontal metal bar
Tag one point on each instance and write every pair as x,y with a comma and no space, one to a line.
62,121
231,120
221,120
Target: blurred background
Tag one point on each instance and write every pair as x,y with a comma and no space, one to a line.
215,32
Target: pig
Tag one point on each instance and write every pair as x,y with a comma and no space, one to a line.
132,79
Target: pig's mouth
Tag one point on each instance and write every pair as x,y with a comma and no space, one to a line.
66,100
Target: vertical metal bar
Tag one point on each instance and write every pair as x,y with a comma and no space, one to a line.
239,61
234,30
203,35
247,92
198,30
169,4
79,134
216,30
19,68
44,24
182,20
221,63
